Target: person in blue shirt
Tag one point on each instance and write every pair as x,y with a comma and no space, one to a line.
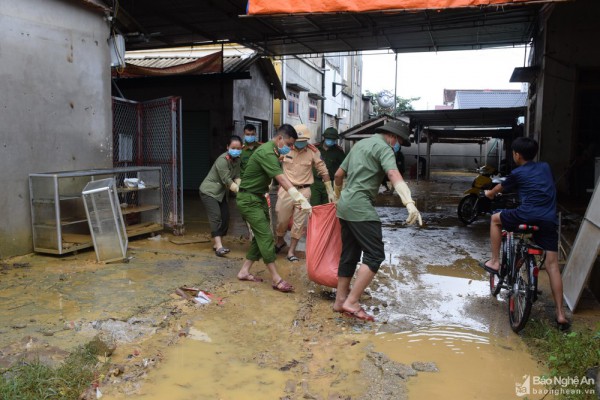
534,183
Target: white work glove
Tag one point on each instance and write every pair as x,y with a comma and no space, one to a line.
234,187
331,197
299,199
337,190
238,181
413,214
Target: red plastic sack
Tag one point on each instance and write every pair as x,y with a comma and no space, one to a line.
323,245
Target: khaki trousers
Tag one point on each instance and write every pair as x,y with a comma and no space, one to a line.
285,209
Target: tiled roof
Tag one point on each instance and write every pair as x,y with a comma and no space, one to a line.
489,99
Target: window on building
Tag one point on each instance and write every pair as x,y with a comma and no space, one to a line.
312,110
293,102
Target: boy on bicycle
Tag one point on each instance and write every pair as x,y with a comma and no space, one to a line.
535,185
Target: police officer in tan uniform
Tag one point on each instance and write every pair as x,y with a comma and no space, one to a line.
298,168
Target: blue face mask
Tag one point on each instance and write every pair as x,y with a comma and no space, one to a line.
300,145
397,147
284,150
249,139
330,142
234,153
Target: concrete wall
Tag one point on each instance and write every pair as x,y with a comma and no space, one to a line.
348,70
305,72
451,156
252,98
570,43
55,102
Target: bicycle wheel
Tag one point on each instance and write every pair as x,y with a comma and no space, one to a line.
520,299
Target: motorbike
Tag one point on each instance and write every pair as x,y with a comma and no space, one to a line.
475,203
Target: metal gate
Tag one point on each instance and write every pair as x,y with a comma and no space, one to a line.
149,134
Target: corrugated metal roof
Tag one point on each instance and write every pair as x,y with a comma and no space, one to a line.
158,23
467,118
231,64
489,99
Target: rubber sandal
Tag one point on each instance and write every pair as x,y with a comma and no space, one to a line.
251,278
488,269
279,248
563,326
357,314
293,259
220,252
283,286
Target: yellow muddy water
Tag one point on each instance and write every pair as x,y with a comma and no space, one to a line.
472,365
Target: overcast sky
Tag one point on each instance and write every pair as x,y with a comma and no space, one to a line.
426,75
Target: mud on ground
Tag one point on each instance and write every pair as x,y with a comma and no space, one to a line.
438,332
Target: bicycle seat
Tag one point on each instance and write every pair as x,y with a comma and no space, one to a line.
525,228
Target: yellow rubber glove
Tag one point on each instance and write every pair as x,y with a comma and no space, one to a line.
413,214
299,199
234,187
337,190
331,197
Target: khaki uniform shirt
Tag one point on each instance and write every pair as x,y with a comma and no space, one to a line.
262,167
221,176
365,165
298,166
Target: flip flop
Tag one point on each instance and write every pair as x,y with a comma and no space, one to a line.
357,314
279,248
251,278
563,326
488,269
220,252
293,259
283,286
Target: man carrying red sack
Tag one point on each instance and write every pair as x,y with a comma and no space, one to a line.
364,167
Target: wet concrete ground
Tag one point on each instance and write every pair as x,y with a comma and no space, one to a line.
431,301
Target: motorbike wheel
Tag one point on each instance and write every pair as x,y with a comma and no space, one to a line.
467,210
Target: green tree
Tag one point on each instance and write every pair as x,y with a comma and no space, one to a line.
402,104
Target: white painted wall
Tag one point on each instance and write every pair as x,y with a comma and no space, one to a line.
54,102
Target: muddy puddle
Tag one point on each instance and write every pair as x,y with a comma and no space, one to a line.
472,364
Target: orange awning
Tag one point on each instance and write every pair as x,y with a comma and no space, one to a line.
261,7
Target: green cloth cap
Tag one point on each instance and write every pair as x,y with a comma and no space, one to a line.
331,133
399,129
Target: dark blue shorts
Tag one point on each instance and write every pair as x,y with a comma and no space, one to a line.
546,237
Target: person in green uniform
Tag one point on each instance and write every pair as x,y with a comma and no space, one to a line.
333,156
224,175
263,167
251,143
364,167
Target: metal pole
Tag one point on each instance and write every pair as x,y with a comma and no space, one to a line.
428,167
418,140
396,87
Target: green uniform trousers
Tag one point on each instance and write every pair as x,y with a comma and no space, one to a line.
318,193
255,211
